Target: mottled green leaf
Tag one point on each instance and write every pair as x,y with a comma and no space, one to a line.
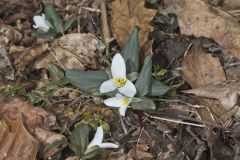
91,152
130,52
68,23
144,104
87,81
55,72
53,18
144,78
42,34
79,139
157,88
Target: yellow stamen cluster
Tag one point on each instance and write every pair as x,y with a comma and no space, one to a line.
120,82
125,102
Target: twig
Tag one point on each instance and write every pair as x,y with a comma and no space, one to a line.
176,121
139,137
202,146
123,126
92,9
105,25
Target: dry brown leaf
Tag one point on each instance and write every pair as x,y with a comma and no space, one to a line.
6,68
202,20
200,69
32,116
119,155
226,92
8,35
72,51
138,153
126,14
15,142
46,138
23,56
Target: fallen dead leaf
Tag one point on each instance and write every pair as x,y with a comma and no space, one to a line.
138,153
46,138
72,51
226,92
200,69
126,14
8,35
119,155
211,23
6,68
15,141
24,56
32,116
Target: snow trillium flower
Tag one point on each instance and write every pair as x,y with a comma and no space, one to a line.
119,80
41,22
120,102
98,138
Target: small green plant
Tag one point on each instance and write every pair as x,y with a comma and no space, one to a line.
32,96
50,23
124,81
169,20
79,141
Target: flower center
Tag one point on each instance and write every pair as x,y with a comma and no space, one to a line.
120,82
125,102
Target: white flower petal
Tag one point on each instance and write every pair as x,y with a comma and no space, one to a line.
122,110
114,102
41,23
108,145
118,67
98,138
128,89
107,86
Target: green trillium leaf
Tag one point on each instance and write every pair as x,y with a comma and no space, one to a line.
87,81
130,52
43,34
91,152
53,18
55,72
68,23
144,79
79,139
144,104
157,88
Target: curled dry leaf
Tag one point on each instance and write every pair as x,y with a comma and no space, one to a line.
200,69
32,116
138,153
211,23
226,92
126,14
47,138
8,35
72,51
15,141
24,56
6,68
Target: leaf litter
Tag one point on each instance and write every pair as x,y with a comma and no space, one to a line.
186,106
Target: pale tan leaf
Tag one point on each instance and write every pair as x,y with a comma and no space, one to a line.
15,141
203,20
32,116
126,14
47,138
72,51
200,69
226,92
